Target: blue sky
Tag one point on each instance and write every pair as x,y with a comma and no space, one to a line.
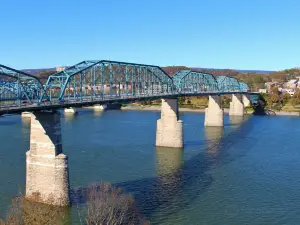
256,34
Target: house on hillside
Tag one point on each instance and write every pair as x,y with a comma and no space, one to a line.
270,85
59,69
292,84
290,91
262,90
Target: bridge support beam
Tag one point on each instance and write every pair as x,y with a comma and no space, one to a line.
47,175
70,110
236,106
214,114
246,100
169,131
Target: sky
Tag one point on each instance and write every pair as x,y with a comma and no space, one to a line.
236,34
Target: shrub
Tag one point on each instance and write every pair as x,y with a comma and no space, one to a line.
24,212
110,205
105,205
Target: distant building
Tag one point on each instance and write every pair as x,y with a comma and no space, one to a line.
290,91
58,69
262,90
292,83
270,85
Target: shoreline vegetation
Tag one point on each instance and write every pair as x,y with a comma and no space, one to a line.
202,110
198,104
102,203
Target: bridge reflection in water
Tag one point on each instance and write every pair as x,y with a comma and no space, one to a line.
168,160
213,136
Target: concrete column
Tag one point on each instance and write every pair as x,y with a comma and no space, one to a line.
236,106
214,114
70,110
169,132
246,100
47,175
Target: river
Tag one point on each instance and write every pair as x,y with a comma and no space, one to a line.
246,173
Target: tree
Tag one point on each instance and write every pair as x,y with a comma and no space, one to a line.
296,98
285,98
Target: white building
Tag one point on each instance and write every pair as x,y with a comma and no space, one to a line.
262,90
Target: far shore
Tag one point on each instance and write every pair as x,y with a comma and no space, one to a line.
226,110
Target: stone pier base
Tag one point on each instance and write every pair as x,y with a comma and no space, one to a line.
236,106
47,176
99,107
214,114
169,131
70,110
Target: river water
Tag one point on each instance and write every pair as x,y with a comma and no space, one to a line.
246,173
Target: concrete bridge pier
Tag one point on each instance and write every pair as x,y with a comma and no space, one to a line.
70,110
169,130
26,114
47,175
246,100
214,113
99,107
236,106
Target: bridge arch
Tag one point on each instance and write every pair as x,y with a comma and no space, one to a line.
107,79
189,81
19,86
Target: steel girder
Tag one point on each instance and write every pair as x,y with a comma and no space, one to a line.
90,80
189,81
17,85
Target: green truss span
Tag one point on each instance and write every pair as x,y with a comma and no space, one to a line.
189,81
93,80
19,87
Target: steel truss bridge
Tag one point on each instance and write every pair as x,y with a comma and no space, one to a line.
100,82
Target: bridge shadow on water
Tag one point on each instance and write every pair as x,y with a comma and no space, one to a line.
178,182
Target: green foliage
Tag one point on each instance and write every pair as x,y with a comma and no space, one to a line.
181,101
226,101
43,76
296,98
146,102
285,98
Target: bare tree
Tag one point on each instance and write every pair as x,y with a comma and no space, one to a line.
110,205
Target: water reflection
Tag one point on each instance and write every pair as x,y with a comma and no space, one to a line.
168,160
236,120
22,211
69,116
213,136
98,112
170,180
26,122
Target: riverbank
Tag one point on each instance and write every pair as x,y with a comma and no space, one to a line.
226,110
